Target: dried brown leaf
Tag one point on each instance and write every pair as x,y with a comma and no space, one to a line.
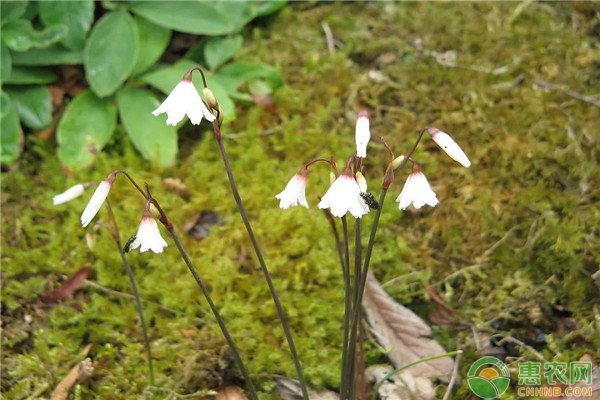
401,386
407,336
67,289
78,374
289,389
231,392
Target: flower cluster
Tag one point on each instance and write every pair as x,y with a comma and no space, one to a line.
348,192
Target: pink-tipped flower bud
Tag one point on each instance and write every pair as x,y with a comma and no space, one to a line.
363,134
397,162
449,146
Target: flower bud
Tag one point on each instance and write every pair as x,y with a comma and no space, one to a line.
397,161
362,182
210,98
221,115
154,211
332,177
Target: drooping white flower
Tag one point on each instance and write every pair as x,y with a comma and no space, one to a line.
416,191
96,201
344,196
71,193
449,146
363,134
184,100
294,193
148,236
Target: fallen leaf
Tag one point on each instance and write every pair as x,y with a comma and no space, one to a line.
289,389
67,289
400,386
404,334
78,374
230,392
177,186
200,226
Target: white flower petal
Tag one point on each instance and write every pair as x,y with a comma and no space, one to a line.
417,191
95,202
450,147
69,194
294,193
343,196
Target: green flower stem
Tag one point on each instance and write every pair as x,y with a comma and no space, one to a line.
136,293
394,372
346,378
263,266
357,280
213,307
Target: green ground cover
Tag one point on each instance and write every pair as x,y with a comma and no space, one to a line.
512,245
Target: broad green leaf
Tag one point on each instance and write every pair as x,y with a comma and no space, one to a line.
6,63
12,10
55,55
111,52
218,50
165,79
77,16
31,76
153,138
197,17
20,36
85,127
153,43
239,13
268,7
240,72
33,104
11,139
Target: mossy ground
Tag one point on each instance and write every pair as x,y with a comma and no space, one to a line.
532,190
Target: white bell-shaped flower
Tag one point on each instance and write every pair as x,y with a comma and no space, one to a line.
344,196
416,191
71,193
96,201
184,100
294,193
148,236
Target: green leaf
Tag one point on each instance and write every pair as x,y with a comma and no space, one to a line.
268,7
33,104
239,72
85,127
197,17
218,50
55,55
31,76
150,135
12,10
11,139
20,36
153,43
111,52
239,13
6,63
77,16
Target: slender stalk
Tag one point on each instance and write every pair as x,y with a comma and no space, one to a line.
136,293
213,307
346,379
394,372
336,236
263,266
357,280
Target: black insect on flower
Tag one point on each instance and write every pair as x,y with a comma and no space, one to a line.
370,200
127,247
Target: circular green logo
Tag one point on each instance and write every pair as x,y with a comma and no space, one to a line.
488,377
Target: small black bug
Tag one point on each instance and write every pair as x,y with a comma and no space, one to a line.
127,247
370,200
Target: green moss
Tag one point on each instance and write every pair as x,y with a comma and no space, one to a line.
534,175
